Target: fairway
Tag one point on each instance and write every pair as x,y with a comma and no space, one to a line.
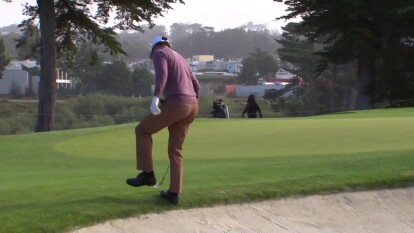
52,182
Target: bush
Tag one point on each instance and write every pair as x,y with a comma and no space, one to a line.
4,127
99,110
19,124
65,117
89,106
16,118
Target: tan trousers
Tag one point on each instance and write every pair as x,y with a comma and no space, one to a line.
177,117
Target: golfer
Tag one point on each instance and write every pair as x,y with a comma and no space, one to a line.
180,89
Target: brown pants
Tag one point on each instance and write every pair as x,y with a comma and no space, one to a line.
177,117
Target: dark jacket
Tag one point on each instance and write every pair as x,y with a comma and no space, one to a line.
252,108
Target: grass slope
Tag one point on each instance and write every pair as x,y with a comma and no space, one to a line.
53,182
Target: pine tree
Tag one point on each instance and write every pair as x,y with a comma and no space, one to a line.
355,30
4,57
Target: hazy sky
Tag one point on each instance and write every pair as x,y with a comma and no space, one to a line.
220,14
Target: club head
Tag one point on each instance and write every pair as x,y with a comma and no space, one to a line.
156,185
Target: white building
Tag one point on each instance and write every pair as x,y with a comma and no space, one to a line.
232,66
284,74
63,81
14,73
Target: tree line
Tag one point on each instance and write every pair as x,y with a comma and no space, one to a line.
347,55
188,39
352,52
374,39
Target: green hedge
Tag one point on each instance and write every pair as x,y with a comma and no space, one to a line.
95,110
78,112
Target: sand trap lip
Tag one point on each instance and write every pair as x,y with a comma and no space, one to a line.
369,211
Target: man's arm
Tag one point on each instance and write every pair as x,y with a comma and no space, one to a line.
161,73
196,85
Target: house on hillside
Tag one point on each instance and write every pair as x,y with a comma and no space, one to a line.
232,66
203,58
198,62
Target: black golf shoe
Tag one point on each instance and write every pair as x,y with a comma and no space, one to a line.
171,197
142,179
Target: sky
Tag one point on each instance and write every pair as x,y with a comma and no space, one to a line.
220,14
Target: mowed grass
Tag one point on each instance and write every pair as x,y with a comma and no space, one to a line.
57,181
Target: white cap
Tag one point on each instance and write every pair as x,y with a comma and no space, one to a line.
159,39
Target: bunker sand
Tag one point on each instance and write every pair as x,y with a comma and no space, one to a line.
369,211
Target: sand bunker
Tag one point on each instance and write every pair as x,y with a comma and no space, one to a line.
372,211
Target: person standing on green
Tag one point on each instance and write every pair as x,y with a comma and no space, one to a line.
181,90
252,108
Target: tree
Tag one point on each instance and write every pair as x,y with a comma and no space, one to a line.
250,26
258,65
29,44
66,23
327,91
230,43
359,30
297,51
248,74
10,43
84,67
115,78
137,44
142,79
137,49
181,30
396,83
4,57
298,55
47,87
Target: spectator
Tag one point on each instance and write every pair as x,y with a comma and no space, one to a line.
223,109
216,109
252,108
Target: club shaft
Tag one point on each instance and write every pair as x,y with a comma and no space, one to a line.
165,174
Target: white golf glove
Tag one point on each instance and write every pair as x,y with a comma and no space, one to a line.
154,106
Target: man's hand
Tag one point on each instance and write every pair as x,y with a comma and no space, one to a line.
154,106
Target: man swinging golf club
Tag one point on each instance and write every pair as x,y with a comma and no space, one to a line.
180,89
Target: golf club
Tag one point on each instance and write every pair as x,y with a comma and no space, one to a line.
158,184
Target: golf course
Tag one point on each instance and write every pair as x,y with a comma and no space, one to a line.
62,180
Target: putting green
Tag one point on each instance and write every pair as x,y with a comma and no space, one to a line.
246,138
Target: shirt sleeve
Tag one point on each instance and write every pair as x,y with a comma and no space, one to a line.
161,72
196,85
